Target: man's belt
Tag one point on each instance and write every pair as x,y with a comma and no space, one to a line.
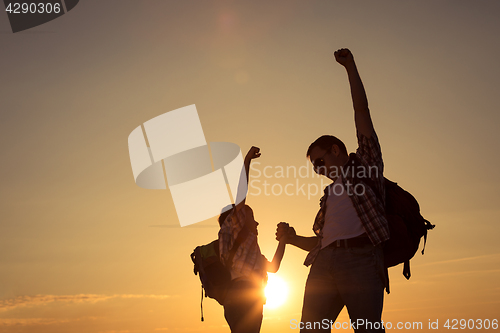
359,241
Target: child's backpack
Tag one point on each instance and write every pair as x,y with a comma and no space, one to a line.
215,277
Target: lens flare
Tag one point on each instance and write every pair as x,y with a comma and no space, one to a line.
276,291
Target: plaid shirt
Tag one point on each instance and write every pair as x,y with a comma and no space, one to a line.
247,261
369,207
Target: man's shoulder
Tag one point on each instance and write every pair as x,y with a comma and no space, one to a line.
364,139
369,147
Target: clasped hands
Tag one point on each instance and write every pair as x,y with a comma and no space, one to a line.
284,232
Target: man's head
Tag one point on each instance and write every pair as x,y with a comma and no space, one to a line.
328,154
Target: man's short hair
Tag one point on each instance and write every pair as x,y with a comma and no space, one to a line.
326,142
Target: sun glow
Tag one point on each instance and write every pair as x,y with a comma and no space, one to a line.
276,291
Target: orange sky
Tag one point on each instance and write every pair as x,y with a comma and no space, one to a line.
83,249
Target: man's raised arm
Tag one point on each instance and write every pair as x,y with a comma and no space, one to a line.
362,117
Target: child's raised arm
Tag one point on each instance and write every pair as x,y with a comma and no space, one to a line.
253,152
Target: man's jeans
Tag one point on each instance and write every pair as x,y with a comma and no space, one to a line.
354,277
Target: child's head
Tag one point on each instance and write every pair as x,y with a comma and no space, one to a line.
247,214
250,219
225,213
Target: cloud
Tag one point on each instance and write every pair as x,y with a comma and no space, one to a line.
455,273
42,300
178,226
460,259
444,306
144,296
31,321
40,321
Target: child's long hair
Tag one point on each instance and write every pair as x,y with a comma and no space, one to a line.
225,214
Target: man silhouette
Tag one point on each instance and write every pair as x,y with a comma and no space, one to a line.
345,253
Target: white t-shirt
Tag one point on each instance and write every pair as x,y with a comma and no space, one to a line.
341,218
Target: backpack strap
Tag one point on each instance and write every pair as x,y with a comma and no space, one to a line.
355,163
428,226
406,269
201,304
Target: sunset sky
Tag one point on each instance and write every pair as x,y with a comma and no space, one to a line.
83,249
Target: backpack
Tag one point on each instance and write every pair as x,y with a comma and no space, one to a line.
406,225
215,277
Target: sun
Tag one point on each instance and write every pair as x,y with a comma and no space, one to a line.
276,291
